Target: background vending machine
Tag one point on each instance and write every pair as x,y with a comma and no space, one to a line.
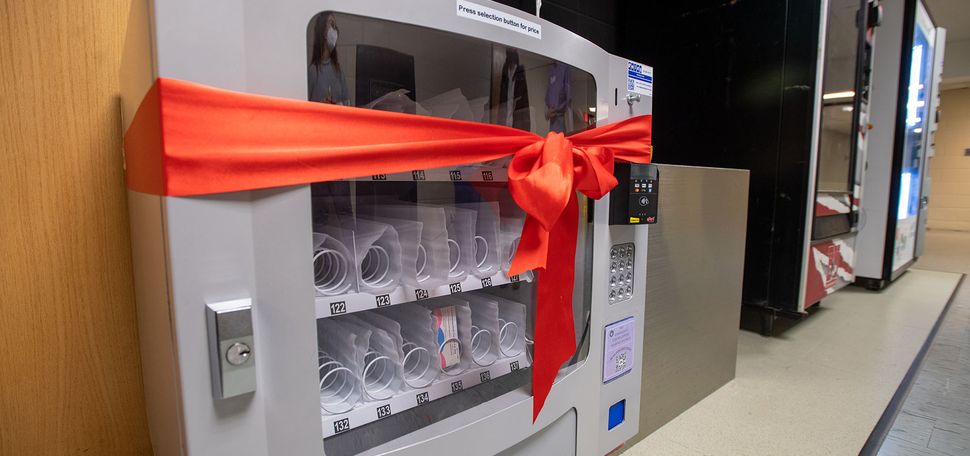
781,89
376,315
908,70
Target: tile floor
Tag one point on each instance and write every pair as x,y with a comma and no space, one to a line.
820,386
934,419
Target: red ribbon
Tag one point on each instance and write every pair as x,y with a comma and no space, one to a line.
188,139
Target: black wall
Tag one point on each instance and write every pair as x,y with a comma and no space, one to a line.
734,84
528,6
594,20
733,87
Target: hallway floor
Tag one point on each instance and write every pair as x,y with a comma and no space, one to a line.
935,417
821,386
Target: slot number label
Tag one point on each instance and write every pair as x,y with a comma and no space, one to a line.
420,294
487,176
341,425
423,398
454,287
514,366
337,308
486,282
379,177
485,376
456,386
455,174
514,278
384,411
383,300
418,175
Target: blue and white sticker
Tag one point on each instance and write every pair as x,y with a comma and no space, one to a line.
639,78
619,348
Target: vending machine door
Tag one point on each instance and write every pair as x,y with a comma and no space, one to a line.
413,267
930,137
916,107
844,98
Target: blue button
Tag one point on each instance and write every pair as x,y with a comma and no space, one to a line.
617,414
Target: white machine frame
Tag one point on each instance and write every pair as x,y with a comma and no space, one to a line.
875,267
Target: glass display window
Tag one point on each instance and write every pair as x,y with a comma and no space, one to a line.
842,98
415,304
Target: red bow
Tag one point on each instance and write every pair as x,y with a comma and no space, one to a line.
188,139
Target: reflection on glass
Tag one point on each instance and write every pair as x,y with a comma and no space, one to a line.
838,127
513,93
915,121
558,98
390,66
326,83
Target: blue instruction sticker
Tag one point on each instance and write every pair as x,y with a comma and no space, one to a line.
639,78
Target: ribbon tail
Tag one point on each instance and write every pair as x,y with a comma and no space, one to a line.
555,334
533,249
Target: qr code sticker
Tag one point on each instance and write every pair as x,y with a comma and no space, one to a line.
620,361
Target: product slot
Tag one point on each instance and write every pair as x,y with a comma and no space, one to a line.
373,411
373,364
384,251
329,306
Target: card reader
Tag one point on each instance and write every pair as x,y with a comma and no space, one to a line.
636,197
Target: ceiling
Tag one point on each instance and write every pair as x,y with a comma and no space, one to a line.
954,15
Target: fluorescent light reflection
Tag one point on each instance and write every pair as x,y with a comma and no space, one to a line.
838,95
915,83
902,211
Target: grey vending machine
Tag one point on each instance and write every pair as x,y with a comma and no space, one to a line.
376,315
908,69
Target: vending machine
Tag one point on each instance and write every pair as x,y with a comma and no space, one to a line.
377,314
780,88
906,99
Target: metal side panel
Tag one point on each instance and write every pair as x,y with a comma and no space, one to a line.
693,302
156,334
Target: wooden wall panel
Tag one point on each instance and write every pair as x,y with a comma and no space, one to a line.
70,375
